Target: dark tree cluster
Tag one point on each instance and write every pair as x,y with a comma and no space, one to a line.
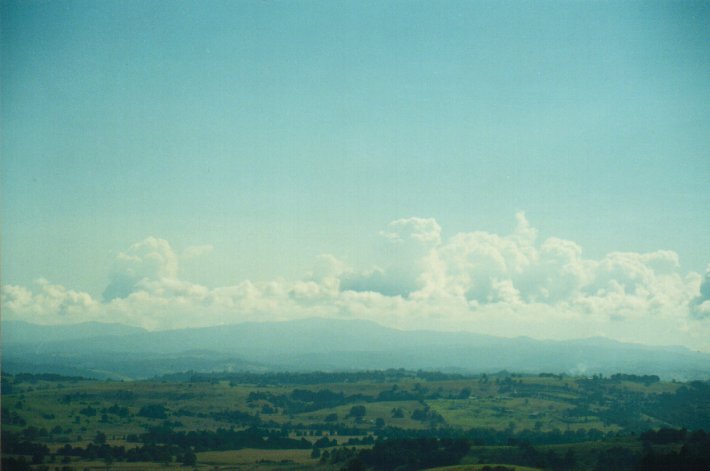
49,377
304,400
222,439
21,444
643,379
237,417
527,455
616,459
88,411
693,455
427,415
153,411
116,410
10,417
688,407
412,454
316,377
663,436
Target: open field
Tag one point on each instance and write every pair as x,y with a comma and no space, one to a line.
257,459
221,422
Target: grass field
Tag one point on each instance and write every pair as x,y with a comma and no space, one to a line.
257,459
76,412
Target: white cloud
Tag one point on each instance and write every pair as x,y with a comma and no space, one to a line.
700,305
498,284
422,230
407,245
49,303
150,259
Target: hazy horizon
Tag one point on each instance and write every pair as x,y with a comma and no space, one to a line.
505,168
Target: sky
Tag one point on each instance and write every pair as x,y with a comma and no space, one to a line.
511,168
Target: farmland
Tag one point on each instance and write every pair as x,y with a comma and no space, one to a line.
344,420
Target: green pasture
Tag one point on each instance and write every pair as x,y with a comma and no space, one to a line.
243,459
498,402
190,404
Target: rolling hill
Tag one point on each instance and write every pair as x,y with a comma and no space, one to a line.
114,350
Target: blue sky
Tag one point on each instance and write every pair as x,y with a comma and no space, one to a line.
269,133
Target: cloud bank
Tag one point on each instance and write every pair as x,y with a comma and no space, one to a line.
510,285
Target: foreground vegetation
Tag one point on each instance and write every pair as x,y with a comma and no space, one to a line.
365,420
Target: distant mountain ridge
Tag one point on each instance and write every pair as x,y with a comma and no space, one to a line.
115,350
312,335
17,332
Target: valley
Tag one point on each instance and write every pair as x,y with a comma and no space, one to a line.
378,419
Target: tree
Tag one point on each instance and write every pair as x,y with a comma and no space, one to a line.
189,458
354,464
331,418
38,457
358,412
153,411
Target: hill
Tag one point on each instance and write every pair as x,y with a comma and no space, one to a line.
113,350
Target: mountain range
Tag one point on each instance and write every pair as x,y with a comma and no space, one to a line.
101,350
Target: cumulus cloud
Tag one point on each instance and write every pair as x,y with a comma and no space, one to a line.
511,284
408,243
49,303
149,259
483,267
700,305
422,230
